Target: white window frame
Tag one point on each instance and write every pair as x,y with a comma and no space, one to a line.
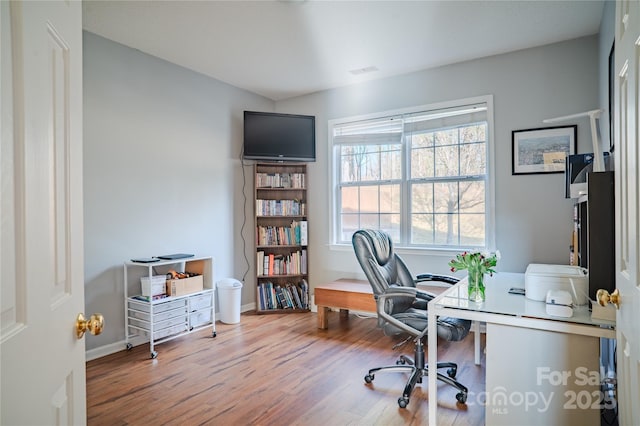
490,182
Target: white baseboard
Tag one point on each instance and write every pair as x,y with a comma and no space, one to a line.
248,307
105,350
112,348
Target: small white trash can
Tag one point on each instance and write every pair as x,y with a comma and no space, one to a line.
229,299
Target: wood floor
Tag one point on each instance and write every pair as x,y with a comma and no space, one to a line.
274,370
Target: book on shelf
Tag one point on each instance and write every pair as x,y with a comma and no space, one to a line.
259,263
296,231
303,232
271,296
271,264
296,296
288,301
261,299
280,296
304,287
265,295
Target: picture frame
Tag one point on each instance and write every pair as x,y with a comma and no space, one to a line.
542,150
611,89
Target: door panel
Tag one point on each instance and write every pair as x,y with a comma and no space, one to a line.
43,365
627,187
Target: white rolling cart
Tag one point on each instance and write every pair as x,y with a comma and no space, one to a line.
166,318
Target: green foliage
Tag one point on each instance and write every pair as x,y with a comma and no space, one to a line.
475,261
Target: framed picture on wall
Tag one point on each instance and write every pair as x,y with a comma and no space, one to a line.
611,89
543,150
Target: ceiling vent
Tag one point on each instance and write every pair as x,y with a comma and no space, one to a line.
365,70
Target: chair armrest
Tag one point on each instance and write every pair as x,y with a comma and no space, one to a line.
437,280
395,290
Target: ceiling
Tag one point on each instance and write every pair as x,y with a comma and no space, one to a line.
286,48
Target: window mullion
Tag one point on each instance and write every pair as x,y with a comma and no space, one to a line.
405,197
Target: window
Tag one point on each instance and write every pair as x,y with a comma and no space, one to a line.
422,175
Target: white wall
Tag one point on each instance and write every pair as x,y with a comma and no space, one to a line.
533,219
161,170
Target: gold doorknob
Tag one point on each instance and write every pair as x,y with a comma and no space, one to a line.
94,324
604,297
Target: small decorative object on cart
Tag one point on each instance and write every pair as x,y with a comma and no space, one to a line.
181,283
478,264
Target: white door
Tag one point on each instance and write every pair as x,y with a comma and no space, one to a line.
42,361
627,183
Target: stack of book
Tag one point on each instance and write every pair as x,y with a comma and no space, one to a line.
294,263
280,180
280,208
283,296
282,235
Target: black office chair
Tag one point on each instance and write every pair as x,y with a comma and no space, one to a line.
402,309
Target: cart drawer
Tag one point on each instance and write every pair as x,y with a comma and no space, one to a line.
200,301
158,307
199,318
166,332
162,316
158,325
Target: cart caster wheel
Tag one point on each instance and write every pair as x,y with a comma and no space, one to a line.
214,334
461,397
369,378
154,355
402,402
129,346
451,372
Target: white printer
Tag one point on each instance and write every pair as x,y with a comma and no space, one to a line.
540,278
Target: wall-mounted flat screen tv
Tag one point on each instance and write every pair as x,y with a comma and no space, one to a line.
279,137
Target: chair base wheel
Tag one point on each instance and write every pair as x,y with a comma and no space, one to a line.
451,372
402,402
369,378
461,397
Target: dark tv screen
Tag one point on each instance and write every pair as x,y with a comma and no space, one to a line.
279,137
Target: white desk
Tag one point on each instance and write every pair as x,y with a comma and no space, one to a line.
522,361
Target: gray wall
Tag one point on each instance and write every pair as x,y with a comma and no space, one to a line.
533,219
161,170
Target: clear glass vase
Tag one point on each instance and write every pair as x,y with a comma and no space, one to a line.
476,285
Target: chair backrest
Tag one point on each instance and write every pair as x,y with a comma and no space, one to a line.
382,267
399,313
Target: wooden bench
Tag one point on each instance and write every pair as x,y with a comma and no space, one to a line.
352,294
345,294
